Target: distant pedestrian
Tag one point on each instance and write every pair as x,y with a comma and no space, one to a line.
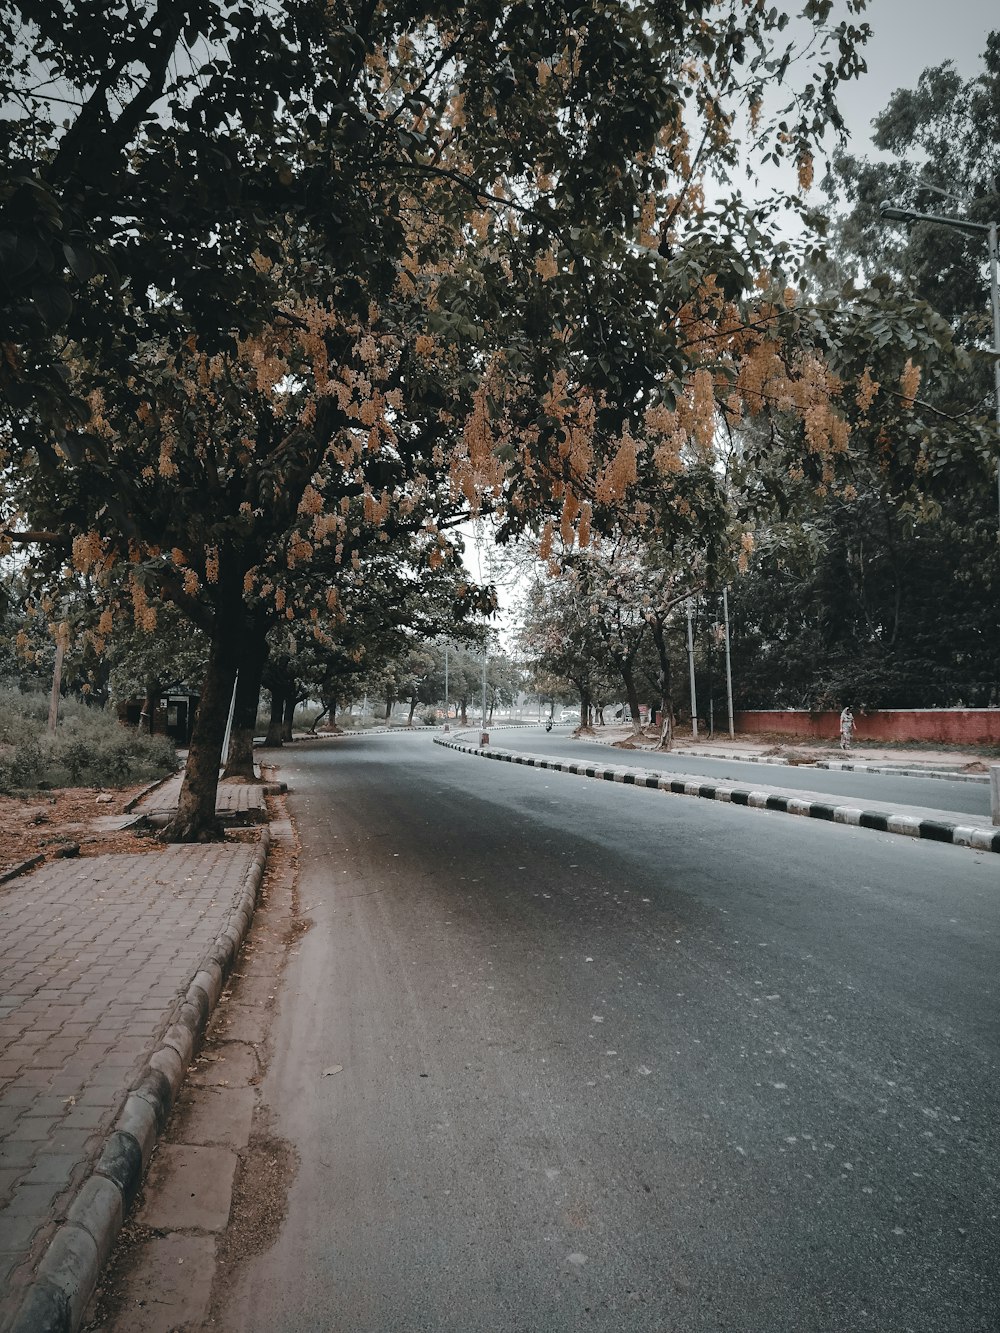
846,728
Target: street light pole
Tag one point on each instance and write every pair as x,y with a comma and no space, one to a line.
995,293
989,230
694,696
729,667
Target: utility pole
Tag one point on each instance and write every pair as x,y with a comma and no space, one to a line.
694,696
729,666
484,689
446,684
229,721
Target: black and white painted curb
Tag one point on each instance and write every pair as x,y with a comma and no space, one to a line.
883,821
69,1270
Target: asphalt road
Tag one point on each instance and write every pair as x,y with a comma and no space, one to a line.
870,788
562,1055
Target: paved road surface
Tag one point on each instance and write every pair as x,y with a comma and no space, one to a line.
621,1062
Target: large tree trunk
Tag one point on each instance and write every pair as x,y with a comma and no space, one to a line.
413,709
274,722
584,706
196,820
666,691
631,693
465,713
289,714
239,763
390,699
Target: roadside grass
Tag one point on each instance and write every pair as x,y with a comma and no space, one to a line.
89,748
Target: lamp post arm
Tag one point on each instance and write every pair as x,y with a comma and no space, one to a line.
911,215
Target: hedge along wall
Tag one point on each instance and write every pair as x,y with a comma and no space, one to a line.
954,726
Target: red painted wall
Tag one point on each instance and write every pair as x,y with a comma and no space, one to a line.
954,726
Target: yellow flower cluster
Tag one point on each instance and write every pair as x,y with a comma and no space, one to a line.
620,472
376,511
583,527
143,614
571,507
806,169
300,551
167,466
867,389
545,544
88,551
909,382
546,266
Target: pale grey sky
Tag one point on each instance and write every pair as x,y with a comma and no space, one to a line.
909,36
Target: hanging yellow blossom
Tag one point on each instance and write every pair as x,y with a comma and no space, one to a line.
867,389
909,383
545,545
805,170
546,266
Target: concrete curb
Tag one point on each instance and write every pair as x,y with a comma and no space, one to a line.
71,1266
367,731
22,867
408,731
152,786
961,835
942,774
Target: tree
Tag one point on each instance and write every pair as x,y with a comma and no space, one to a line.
405,250
883,595
562,640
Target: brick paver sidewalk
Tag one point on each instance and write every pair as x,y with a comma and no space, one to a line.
96,955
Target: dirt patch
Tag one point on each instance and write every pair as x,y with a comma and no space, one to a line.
267,1168
977,766
788,756
50,824
108,1300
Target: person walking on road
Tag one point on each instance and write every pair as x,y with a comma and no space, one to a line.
846,728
